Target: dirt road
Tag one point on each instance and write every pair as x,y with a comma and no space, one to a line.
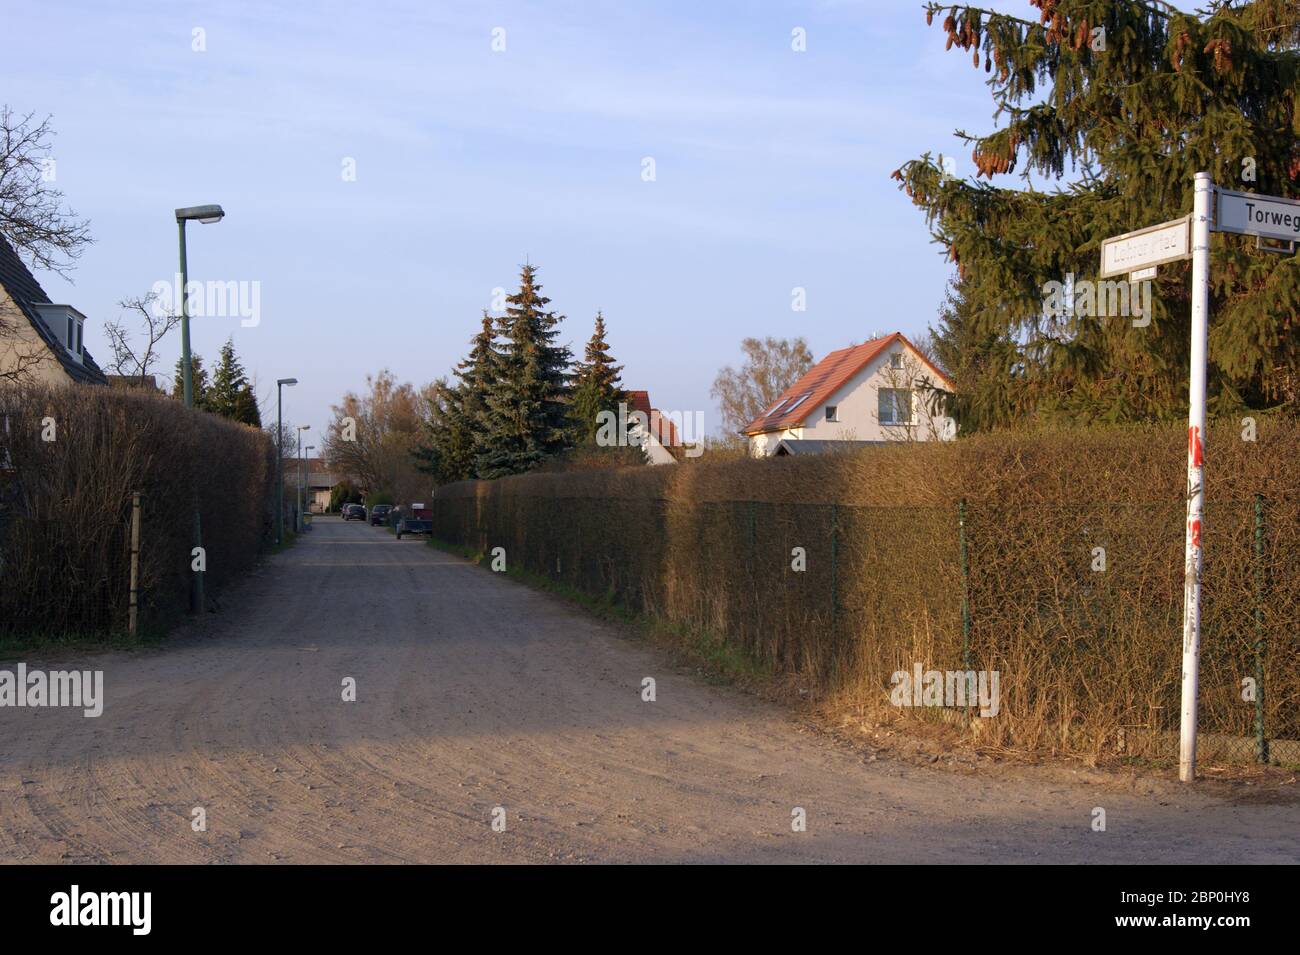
474,692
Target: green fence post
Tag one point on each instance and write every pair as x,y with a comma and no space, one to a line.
835,548
1261,741
965,585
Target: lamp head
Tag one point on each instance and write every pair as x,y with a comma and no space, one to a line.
205,214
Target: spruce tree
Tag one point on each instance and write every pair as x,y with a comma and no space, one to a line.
447,450
199,381
230,394
596,384
1117,104
525,414
986,367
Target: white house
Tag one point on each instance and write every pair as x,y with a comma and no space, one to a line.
659,434
873,393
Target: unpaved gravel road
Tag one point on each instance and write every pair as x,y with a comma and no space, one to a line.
476,692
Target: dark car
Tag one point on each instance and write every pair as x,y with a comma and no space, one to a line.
379,514
354,512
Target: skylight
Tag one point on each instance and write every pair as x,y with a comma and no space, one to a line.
798,401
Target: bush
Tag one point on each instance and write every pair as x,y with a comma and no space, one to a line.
65,506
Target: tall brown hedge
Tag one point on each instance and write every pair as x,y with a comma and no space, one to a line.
1089,660
65,505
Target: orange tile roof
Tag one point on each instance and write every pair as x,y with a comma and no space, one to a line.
661,427
823,380
639,401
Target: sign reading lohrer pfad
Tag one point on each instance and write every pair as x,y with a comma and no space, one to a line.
1145,248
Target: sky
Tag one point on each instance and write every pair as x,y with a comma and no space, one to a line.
770,172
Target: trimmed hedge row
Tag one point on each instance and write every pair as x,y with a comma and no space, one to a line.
70,461
1072,585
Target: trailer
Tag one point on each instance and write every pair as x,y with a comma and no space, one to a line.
418,520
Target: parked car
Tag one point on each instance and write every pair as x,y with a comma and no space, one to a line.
379,514
354,512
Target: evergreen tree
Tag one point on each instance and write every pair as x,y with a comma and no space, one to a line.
199,381
1133,97
447,450
230,394
525,414
986,368
596,384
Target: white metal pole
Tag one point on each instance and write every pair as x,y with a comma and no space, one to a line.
1195,475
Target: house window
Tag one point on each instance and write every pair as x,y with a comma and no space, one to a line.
832,413
896,360
70,341
895,406
79,333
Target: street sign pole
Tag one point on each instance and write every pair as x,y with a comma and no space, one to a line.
1195,475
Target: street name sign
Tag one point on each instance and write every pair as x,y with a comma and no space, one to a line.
1249,214
1154,245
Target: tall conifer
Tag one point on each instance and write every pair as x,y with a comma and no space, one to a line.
525,414
596,384
1118,104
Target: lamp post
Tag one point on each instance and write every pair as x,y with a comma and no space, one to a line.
306,476
279,457
298,520
204,214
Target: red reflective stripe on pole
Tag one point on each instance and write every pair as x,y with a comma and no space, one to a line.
1195,475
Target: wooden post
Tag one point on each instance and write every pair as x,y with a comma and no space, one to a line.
133,615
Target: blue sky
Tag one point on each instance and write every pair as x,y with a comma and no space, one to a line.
772,172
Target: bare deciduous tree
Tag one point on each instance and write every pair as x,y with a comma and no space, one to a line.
33,218
127,360
771,366
373,434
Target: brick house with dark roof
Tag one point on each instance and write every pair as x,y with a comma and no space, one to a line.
867,394
41,341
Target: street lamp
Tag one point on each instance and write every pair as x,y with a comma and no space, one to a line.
306,476
205,214
298,521
279,457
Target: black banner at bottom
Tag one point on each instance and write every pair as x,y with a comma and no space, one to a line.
334,905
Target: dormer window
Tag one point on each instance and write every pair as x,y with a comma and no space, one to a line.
74,334
65,325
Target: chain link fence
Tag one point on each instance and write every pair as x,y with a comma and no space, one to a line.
1078,607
